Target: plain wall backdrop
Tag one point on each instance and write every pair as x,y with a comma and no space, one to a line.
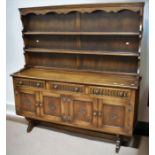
14,45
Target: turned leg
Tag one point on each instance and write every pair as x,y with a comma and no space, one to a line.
118,144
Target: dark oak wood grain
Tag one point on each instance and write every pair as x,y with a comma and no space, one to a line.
81,67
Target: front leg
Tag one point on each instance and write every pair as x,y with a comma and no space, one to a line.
31,124
118,144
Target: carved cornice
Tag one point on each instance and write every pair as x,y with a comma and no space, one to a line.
135,7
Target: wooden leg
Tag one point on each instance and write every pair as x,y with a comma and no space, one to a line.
118,144
30,126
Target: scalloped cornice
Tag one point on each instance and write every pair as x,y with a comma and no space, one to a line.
111,7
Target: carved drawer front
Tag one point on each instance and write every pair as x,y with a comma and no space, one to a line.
84,111
115,118
109,92
51,106
29,83
27,102
66,87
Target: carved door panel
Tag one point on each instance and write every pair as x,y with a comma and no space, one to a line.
27,102
115,118
84,111
51,106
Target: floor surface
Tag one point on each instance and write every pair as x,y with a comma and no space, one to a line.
42,141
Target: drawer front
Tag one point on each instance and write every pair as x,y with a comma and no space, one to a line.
29,83
65,87
109,92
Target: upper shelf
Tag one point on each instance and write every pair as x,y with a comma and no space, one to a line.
82,33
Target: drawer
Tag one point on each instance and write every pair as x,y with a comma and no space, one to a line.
29,83
67,87
109,92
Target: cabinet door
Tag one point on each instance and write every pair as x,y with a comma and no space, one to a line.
51,106
115,117
27,102
84,111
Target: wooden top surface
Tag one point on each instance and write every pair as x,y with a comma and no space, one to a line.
103,79
84,8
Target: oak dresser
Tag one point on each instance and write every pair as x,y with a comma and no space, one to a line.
81,67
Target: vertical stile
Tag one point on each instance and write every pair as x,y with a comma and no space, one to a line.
78,38
140,41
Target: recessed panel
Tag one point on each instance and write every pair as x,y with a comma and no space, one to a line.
82,110
113,115
28,102
52,106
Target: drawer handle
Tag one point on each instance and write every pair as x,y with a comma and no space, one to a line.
64,99
76,89
94,113
64,118
55,86
20,82
68,100
38,84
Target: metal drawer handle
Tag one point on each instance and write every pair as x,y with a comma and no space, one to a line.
64,99
55,86
38,84
64,118
94,113
76,89
20,82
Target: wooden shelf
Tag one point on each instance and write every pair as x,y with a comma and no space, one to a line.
82,33
112,53
86,71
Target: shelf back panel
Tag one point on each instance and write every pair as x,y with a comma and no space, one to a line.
97,21
87,62
92,43
123,21
110,43
60,42
50,22
48,60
